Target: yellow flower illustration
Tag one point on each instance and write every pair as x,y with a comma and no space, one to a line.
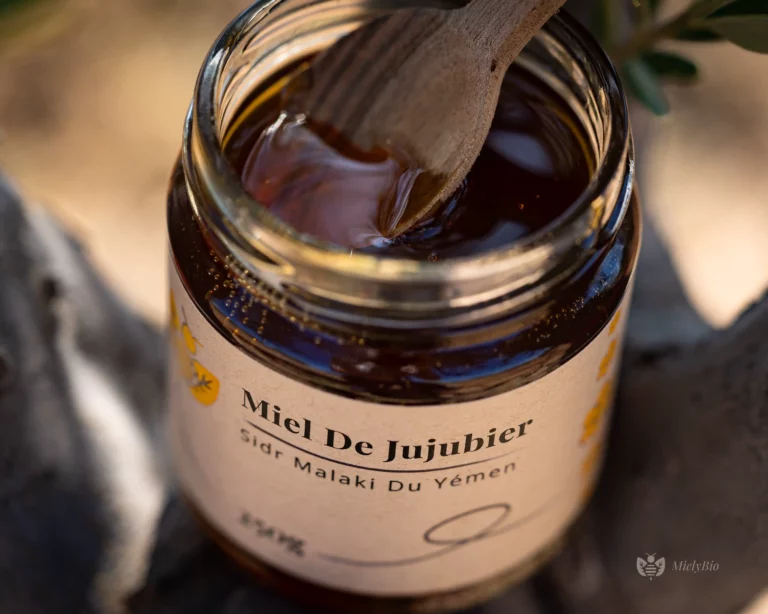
615,322
595,416
203,384
183,358
174,313
189,339
607,361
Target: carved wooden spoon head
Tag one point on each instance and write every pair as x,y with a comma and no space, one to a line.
425,83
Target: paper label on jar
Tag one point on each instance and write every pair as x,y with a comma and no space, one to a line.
382,499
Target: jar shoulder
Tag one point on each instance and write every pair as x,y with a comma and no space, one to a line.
418,365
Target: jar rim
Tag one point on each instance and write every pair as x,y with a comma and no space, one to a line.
280,254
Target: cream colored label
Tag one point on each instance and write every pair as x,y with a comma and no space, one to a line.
382,499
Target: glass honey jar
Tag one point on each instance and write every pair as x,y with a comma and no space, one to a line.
410,424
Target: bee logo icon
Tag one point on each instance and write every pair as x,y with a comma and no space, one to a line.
651,567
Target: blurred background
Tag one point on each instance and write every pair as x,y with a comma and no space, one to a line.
93,94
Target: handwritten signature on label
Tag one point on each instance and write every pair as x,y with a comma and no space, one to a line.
453,533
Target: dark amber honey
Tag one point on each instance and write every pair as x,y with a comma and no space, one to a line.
533,167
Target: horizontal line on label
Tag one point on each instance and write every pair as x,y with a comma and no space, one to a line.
338,462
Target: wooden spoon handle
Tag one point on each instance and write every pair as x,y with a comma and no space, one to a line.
502,26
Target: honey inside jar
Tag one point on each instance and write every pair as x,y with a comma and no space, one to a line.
533,167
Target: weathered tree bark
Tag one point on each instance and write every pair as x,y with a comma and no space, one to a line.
52,522
71,356
686,479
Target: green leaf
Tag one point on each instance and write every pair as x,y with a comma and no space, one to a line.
741,8
749,31
699,35
8,5
702,8
644,85
671,65
600,25
744,22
